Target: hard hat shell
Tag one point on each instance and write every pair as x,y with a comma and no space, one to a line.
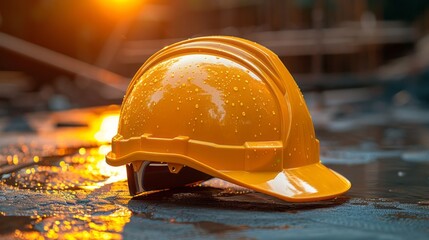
227,107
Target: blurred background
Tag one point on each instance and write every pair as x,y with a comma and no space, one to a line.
57,55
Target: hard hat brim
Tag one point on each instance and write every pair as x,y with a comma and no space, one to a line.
308,183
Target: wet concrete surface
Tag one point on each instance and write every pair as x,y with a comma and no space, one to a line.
56,184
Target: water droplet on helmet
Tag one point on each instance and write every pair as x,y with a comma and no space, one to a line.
236,89
196,105
243,113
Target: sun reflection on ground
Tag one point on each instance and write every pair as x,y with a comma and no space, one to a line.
115,174
89,227
78,176
98,166
107,128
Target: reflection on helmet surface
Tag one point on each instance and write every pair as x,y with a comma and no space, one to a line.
204,97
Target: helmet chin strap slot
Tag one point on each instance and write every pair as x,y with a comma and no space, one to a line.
174,167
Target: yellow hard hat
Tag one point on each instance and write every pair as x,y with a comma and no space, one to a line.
229,108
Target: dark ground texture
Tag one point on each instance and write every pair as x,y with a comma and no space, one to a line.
68,191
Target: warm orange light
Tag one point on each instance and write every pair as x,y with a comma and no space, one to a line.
115,174
119,6
99,167
104,129
108,128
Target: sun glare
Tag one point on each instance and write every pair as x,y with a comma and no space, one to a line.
107,128
115,173
119,6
